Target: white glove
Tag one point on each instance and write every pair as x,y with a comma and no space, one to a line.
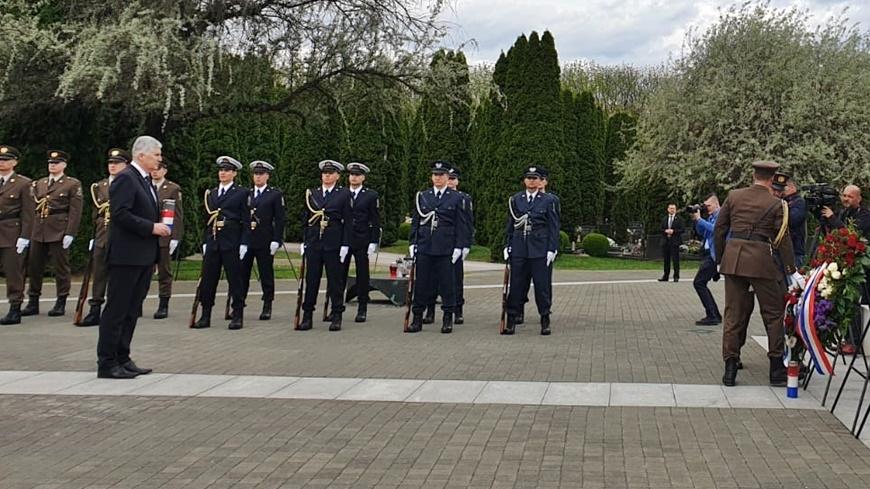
457,252
173,244
91,245
21,245
342,253
203,249
243,250
373,247
507,254
551,255
302,249
465,252
67,240
273,247
412,250
797,280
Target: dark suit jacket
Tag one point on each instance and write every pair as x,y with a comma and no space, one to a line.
678,226
235,213
134,211
269,216
543,235
339,219
366,219
468,208
450,231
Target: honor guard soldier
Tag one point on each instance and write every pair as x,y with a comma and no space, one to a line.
117,161
267,234
327,219
58,212
532,238
365,235
225,241
16,225
438,235
751,228
167,192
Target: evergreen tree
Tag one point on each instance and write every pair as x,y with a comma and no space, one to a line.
590,148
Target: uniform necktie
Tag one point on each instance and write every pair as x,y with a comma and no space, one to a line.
222,192
257,195
530,199
2,182
438,195
50,182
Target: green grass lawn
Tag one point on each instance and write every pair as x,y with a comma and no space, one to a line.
190,269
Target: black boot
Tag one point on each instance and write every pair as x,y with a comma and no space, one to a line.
335,325
416,324
457,318
204,319
59,308
162,309
267,311
447,323
32,307
429,318
778,373
305,325
238,319
521,318
361,311
545,325
730,377
13,316
93,317
511,325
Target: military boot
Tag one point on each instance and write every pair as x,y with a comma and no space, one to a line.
59,308
266,314
162,311
778,373
305,325
32,307
13,316
545,325
204,319
730,377
416,324
238,319
361,311
447,323
93,317
430,315
511,325
458,318
335,325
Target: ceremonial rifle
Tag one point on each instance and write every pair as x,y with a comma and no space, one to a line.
505,287
300,293
86,277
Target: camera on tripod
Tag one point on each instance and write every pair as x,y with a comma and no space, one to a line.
820,195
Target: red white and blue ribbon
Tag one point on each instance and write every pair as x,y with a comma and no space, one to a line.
806,325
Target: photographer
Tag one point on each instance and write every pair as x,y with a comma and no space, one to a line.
707,269
852,211
786,188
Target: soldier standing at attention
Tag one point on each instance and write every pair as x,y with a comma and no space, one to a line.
751,227
532,238
327,218
58,212
117,161
438,234
167,190
16,224
225,241
267,234
365,233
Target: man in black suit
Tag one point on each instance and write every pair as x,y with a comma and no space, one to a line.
267,234
133,250
225,241
672,238
365,233
327,218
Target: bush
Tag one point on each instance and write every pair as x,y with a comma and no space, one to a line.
405,231
595,244
564,242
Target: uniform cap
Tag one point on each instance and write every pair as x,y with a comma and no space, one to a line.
765,165
454,172
9,153
330,166
261,166
356,168
533,171
780,180
228,163
118,155
57,156
440,166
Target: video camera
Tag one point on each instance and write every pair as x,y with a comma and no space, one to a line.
820,195
693,208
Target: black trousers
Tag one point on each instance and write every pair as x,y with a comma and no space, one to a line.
363,276
316,261
705,273
211,275
671,252
458,287
127,289
433,276
265,266
523,272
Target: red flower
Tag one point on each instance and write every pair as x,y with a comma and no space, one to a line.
844,231
829,238
853,241
822,250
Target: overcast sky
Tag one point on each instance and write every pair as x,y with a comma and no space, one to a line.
638,32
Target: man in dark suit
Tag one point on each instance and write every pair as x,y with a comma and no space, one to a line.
326,223
365,233
532,240
133,250
267,234
438,234
672,238
225,242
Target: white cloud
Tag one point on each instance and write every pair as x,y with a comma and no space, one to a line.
639,32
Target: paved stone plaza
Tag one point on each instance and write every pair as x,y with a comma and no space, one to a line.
624,394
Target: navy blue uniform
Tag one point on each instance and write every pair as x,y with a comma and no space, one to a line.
797,227
532,231
326,224
438,226
228,227
366,230
267,224
459,266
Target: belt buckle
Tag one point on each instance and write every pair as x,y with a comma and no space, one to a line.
219,224
253,225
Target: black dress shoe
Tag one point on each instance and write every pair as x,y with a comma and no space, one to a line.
162,311
116,372
237,320
457,316
416,325
132,367
305,324
676,279
510,327
429,319
707,322
335,325
663,279
361,311
447,323
545,325
204,319
266,313
730,377
521,318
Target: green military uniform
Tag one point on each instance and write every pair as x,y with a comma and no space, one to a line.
752,226
16,224
168,190
58,214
